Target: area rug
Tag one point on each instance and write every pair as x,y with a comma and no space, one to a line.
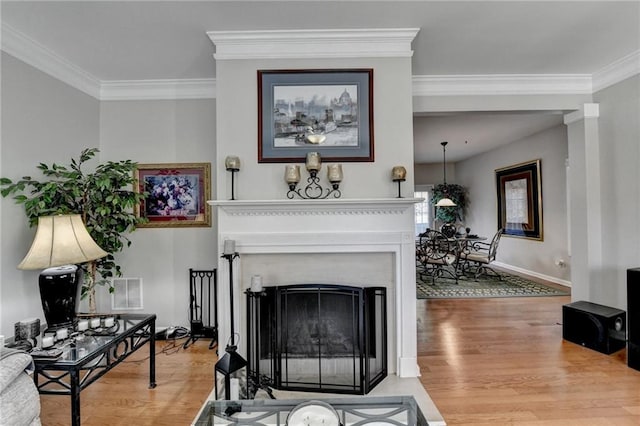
510,286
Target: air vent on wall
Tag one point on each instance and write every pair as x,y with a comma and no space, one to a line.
127,294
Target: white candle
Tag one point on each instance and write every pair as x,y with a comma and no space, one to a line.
109,322
232,163
292,173
234,389
94,322
398,173
229,247
334,173
83,325
256,283
47,341
62,334
313,161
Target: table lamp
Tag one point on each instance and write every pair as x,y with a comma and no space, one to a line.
61,242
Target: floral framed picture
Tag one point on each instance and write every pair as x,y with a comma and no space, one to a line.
325,111
177,194
520,200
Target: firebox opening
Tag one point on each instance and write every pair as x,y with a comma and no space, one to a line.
319,337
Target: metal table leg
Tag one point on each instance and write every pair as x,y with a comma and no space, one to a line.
152,355
74,382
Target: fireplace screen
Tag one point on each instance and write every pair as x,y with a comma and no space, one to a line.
324,338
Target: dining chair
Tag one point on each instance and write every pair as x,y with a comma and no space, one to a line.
436,255
479,256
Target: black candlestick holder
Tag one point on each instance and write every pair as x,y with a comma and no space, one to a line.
399,184
233,185
313,190
230,257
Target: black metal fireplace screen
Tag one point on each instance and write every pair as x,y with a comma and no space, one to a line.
318,337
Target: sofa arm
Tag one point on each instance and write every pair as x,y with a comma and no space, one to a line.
19,398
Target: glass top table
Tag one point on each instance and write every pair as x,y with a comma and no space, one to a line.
351,410
88,355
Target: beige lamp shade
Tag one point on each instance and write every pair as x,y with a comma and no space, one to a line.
445,202
61,240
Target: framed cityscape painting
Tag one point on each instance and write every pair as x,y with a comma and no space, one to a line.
325,111
177,194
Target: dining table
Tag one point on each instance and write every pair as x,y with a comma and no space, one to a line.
463,242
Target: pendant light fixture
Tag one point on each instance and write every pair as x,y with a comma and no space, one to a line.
446,201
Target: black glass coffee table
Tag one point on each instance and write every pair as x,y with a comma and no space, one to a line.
88,355
360,410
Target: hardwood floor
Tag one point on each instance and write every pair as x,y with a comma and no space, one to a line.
483,362
122,398
504,362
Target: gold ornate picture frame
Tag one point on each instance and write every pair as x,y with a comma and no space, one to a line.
177,194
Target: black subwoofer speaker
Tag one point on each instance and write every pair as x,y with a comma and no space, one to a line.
594,326
633,309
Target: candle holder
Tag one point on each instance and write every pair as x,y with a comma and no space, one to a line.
232,164
399,174
231,368
313,190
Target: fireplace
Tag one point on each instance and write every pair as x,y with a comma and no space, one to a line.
362,243
318,337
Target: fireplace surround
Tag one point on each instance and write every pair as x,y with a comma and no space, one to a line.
318,337
273,232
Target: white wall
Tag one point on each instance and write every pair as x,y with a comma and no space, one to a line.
619,133
46,120
43,120
433,174
163,132
477,174
238,129
393,145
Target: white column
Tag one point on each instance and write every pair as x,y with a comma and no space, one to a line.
585,200
407,317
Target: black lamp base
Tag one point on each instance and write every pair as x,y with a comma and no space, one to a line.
58,293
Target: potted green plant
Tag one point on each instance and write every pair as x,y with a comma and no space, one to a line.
457,194
100,197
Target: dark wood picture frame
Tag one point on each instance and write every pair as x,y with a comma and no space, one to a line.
520,200
297,108
178,194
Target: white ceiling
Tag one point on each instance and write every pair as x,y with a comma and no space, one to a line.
142,40
470,134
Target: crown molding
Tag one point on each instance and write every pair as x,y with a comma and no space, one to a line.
617,71
301,44
117,90
501,84
312,44
38,56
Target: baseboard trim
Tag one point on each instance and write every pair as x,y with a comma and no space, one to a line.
533,274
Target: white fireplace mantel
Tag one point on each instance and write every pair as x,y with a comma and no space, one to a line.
334,226
315,207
